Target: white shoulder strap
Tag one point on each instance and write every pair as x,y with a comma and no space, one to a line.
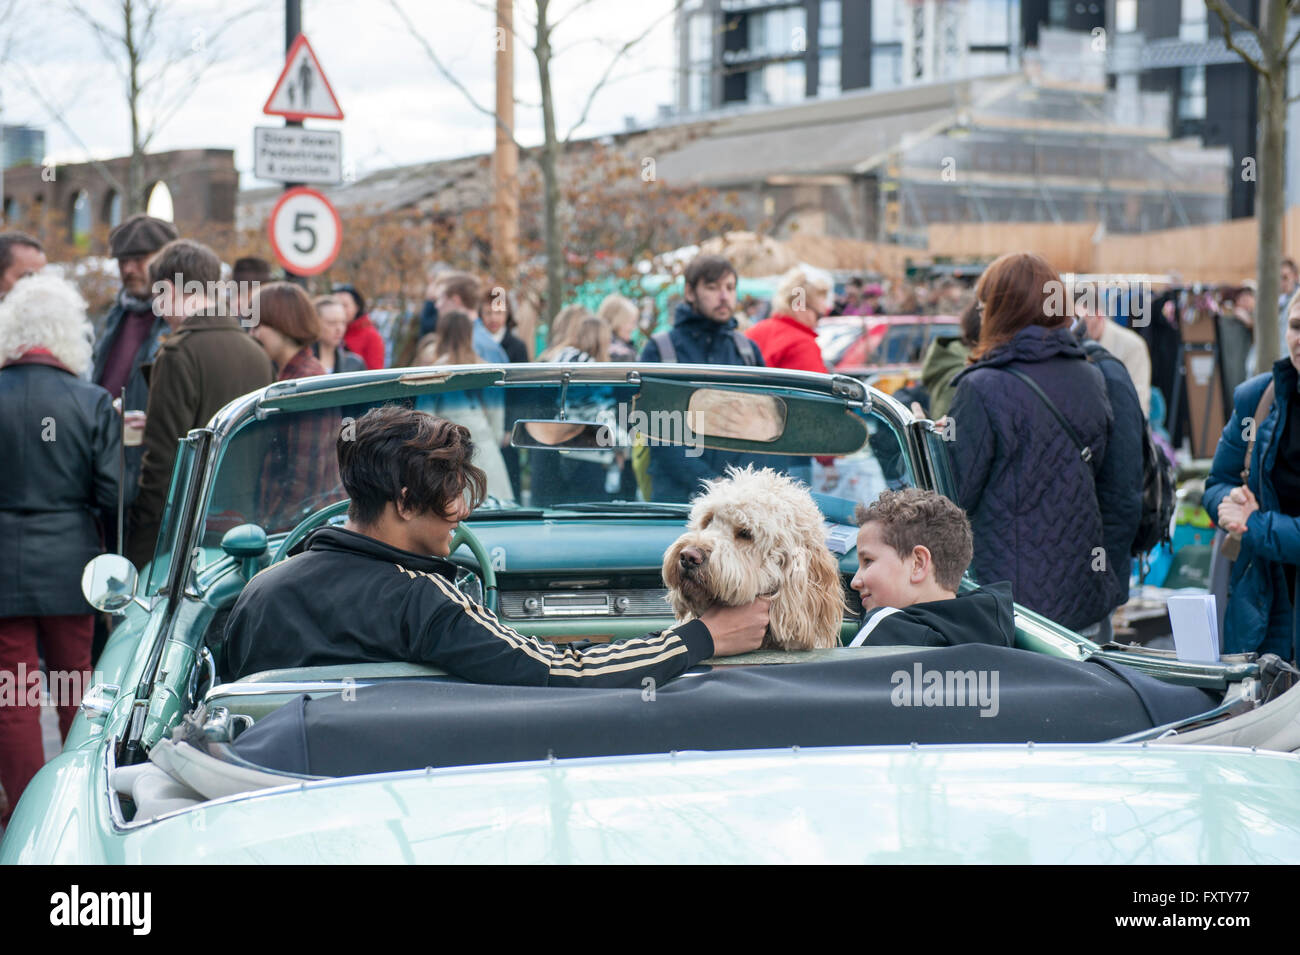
875,618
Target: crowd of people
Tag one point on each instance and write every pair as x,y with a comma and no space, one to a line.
1046,437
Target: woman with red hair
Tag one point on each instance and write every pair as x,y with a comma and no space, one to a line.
1032,424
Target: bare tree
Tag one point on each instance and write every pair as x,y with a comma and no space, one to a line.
1272,52
541,43
159,65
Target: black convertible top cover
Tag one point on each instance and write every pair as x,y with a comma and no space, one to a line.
963,694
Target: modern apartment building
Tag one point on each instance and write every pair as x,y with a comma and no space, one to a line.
732,53
735,54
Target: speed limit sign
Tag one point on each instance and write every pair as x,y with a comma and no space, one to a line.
306,231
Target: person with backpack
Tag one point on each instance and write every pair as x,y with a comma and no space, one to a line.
1032,425
1133,523
1253,493
704,332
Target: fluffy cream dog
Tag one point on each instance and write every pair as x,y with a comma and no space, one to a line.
759,533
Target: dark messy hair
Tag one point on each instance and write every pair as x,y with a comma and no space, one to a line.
250,269
393,447
351,292
912,516
707,268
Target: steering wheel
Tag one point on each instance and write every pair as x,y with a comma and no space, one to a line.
463,537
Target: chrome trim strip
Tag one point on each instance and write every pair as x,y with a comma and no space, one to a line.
228,690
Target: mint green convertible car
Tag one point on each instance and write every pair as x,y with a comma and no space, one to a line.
1055,751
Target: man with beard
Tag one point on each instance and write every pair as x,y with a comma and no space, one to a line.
131,336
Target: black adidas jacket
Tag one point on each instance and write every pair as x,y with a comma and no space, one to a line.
985,615
349,598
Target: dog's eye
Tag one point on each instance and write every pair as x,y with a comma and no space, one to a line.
706,522
744,535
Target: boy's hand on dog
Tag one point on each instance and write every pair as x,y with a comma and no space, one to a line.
737,629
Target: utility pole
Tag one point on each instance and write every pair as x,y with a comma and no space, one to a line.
292,27
505,160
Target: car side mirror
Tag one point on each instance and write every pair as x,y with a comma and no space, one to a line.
108,583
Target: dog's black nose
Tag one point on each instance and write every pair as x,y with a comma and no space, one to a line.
691,557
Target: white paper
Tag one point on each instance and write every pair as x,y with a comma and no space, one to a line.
1196,628
840,538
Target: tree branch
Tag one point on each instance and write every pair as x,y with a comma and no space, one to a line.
604,77
1224,14
446,74
57,115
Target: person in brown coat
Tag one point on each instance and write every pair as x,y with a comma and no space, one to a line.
206,362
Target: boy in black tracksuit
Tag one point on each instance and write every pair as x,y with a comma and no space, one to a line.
913,547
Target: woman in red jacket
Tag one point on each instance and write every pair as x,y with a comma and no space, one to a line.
361,337
788,339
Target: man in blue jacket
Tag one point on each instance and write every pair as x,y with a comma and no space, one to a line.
704,332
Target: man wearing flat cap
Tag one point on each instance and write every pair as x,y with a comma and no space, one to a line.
132,332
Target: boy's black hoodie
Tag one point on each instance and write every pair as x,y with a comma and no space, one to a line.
984,615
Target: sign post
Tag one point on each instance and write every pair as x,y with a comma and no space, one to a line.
306,238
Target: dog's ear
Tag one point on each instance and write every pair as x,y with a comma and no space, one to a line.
809,609
828,597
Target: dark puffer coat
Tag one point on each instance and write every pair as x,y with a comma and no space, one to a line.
1031,499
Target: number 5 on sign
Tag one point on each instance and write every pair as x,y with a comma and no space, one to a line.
306,231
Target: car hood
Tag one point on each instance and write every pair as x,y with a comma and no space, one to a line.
1000,804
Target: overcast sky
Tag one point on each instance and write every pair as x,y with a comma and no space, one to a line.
398,108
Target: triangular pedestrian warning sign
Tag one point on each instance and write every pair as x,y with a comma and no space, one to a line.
302,90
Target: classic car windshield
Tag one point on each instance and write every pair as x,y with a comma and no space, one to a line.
646,442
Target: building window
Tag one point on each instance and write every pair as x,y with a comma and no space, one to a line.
1126,16
81,219
701,38
989,23
775,83
886,24
830,26
1193,25
1191,94
773,32
828,73
113,209
698,90
886,67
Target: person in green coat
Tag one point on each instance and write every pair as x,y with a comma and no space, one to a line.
944,358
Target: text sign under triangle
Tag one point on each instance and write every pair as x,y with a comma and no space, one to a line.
302,91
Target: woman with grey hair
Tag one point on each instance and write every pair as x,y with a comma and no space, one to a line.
62,438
